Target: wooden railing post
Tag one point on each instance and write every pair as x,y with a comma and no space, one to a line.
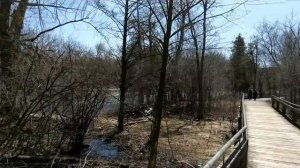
293,115
283,109
277,105
240,123
240,117
289,110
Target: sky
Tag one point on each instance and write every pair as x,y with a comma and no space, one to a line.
244,21
254,13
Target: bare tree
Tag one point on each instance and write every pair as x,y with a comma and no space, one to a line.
200,63
10,31
12,17
279,44
165,22
160,93
200,114
124,65
127,60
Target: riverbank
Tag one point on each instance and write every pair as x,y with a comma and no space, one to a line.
181,141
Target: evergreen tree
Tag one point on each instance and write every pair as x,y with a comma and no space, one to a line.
239,65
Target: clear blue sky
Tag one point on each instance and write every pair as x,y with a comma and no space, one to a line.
244,21
254,13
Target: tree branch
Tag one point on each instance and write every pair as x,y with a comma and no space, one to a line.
53,28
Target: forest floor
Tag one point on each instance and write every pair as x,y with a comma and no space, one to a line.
182,142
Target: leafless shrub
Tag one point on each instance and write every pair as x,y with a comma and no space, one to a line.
50,102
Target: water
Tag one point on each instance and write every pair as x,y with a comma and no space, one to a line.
112,104
105,148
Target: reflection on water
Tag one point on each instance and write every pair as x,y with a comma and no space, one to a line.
104,147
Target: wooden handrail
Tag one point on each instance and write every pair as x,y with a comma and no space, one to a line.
239,154
289,110
289,103
286,104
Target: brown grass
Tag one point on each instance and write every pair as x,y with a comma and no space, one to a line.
192,142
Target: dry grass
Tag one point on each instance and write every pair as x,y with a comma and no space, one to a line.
192,142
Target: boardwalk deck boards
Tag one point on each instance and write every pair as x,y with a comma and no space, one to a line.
273,141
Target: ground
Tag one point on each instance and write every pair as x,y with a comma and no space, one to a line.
181,142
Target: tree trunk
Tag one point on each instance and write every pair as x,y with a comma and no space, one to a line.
160,95
201,73
255,64
124,71
200,63
175,91
141,99
10,30
18,18
5,38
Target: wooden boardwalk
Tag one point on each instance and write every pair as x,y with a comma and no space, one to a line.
273,141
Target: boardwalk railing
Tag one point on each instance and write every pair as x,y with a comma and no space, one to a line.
238,157
289,110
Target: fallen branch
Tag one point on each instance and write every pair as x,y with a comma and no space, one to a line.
136,122
183,162
85,158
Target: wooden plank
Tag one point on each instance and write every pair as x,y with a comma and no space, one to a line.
270,164
273,141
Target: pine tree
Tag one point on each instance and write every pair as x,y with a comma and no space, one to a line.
239,65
